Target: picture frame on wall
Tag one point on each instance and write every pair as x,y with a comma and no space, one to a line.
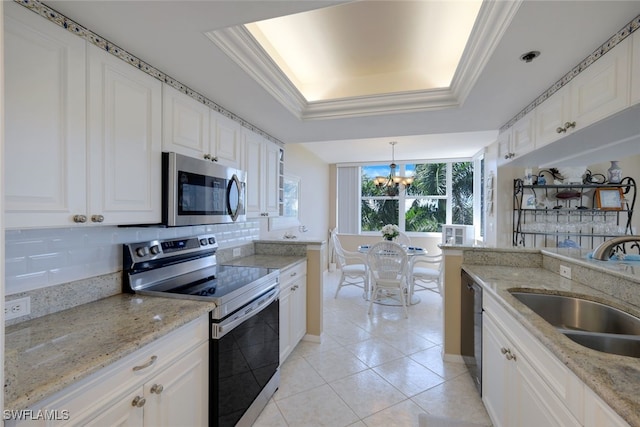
609,199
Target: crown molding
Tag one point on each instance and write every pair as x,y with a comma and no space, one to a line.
240,46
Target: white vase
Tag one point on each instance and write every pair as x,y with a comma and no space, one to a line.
614,173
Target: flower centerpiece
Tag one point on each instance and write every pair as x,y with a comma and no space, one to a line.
390,231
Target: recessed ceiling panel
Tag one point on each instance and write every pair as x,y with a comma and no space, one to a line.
369,47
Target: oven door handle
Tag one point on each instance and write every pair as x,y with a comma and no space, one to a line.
218,330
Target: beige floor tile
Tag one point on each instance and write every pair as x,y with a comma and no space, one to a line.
374,352
297,375
320,406
270,417
456,398
432,359
367,393
335,364
403,414
408,376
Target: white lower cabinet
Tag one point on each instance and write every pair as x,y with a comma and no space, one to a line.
293,308
513,392
524,384
163,384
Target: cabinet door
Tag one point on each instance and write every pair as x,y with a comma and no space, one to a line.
272,178
635,69
45,121
299,311
551,115
122,414
496,387
125,143
504,147
255,173
285,322
522,135
179,396
185,124
603,88
226,140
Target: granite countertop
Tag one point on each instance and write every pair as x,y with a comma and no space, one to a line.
268,261
616,379
47,354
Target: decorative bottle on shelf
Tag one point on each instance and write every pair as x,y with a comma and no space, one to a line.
614,173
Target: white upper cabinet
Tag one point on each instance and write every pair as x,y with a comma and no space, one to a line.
517,140
603,88
262,160
635,68
226,140
125,142
185,124
552,116
45,121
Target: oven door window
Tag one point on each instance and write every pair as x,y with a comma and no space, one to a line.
201,195
235,202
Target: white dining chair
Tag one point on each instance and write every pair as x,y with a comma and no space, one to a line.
403,239
426,274
388,270
353,266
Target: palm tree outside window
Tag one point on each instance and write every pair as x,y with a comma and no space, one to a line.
442,193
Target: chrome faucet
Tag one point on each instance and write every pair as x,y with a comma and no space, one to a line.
605,249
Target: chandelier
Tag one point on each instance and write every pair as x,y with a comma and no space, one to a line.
393,183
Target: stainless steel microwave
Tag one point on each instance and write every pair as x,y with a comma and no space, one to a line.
197,192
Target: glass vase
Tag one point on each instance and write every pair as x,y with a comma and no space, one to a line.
614,173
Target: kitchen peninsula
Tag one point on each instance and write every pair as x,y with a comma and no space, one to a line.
591,385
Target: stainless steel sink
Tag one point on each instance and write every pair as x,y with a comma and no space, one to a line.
589,323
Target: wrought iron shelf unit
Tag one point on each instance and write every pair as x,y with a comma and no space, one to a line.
571,215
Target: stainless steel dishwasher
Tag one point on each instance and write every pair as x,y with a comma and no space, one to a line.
471,328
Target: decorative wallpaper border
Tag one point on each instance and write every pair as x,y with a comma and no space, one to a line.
625,32
73,27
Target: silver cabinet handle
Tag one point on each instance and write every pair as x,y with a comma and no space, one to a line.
293,274
97,218
81,219
138,402
156,388
146,365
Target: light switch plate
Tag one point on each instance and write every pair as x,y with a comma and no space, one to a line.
565,271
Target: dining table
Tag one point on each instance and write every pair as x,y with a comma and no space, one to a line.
392,298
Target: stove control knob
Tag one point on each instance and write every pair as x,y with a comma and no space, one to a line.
142,251
203,242
212,240
155,250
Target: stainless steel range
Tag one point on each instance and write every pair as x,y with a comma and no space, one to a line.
244,340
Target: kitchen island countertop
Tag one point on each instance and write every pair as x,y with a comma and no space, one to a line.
616,379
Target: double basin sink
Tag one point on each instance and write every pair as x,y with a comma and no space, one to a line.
588,323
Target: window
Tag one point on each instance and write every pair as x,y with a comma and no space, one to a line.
442,193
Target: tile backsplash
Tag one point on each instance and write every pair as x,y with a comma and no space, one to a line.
39,258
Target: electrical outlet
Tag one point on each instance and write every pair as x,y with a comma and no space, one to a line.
237,252
17,308
565,271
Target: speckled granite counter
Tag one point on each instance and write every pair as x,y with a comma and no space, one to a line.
47,354
616,379
268,261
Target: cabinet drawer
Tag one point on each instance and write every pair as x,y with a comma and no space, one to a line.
291,274
558,377
87,397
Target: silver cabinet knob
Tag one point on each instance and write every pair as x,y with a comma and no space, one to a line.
561,130
156,388
138,402
207,156
80,219
97,218
569,125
